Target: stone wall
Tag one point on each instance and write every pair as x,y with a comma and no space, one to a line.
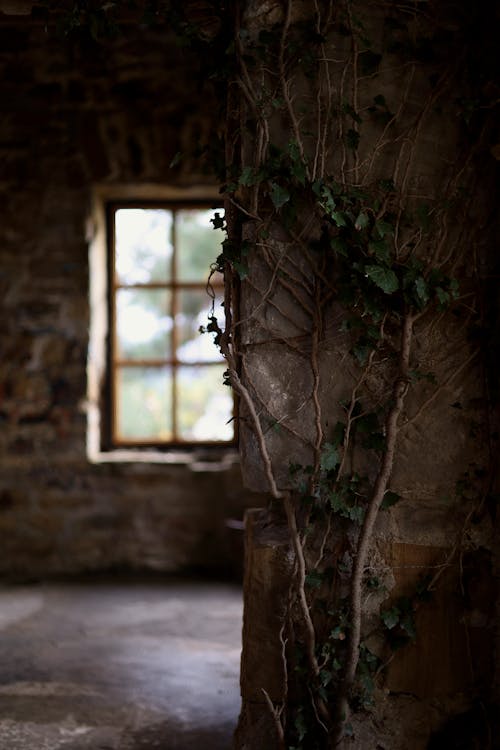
75,113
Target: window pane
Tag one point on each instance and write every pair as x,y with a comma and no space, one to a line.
198,243
143,245
144,323
205,405
195,307
144,403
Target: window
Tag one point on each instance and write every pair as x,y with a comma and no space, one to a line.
164,376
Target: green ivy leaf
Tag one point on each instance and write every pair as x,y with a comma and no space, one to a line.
338,633
327,200
443,296
247,177
352,112
338,434
339,218
329,457
380,250
300,726
356,513
241,269
387,186
362,221
390,499
390,617
317,187
408,624
421,289
384,278
454,289
298,168
314,579
384,227
339,246
176,160
362,351
325,677
279,195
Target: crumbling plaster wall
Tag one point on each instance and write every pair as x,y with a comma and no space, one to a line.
73,114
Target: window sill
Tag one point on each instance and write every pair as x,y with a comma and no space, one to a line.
197,459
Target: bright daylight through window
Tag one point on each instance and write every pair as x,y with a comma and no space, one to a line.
165,376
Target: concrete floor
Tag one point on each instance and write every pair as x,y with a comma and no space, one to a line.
117,666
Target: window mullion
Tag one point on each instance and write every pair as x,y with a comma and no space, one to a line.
113,334
174,311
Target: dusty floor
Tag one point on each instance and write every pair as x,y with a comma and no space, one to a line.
141,666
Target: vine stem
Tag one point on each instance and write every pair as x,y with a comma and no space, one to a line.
245,396
310,639
276,717
285,86
399,391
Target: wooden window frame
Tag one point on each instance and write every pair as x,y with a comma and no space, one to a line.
112,441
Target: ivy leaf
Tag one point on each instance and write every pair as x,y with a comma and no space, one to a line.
279,195
299,172
328,201
329,457
390,617
384,278
362,221
421,289
176,160
380,250
383,227
247,177
298,168
314,579
362,351
300,726
338,434
339,218
336,501
390,499
356,513
443,297
387,185
337,634
325,676
408,625
352,112
217,221
339,246
241,269
317,187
